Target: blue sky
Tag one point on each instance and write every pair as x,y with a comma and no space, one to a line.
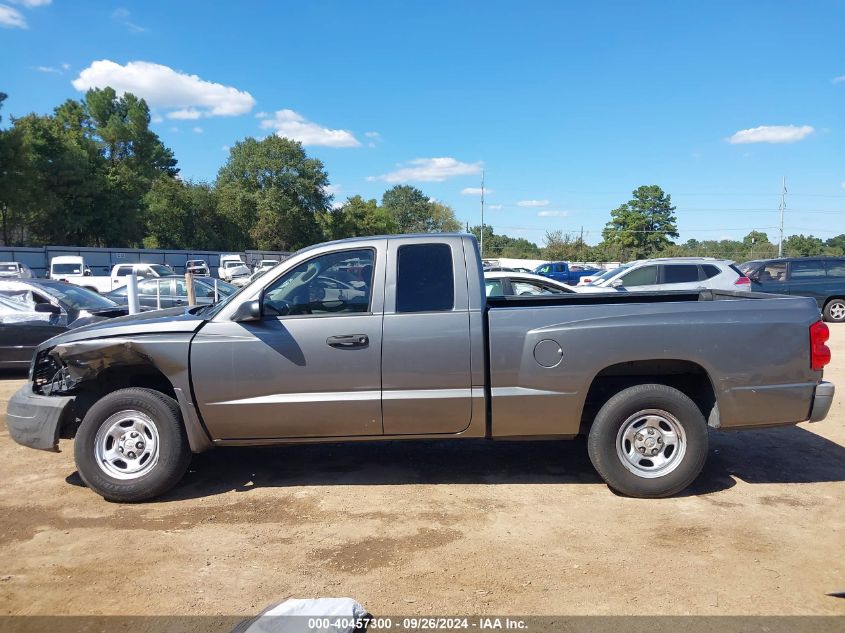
566,106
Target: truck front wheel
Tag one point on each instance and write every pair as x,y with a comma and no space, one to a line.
132,445
648,441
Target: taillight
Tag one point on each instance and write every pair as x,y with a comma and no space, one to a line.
742,281
819,352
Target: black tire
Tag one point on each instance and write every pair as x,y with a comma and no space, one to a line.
605,433
173,455
834,311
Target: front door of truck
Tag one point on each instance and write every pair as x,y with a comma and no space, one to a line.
426,371
311,366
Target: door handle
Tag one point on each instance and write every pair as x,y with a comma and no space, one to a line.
347,341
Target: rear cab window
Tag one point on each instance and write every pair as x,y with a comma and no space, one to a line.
425,278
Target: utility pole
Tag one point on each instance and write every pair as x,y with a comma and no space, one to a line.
481,246
782,209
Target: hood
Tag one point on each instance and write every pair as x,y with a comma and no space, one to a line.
171,320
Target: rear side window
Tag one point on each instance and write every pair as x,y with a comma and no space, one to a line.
645,276
806,269
679,273
711,271
836,268
123,271
425,281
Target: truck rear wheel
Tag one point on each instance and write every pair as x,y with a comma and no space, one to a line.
648,441
132,445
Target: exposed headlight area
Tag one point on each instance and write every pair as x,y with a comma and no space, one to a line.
49,376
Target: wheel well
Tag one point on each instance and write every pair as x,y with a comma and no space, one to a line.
829,299
111,379
687,377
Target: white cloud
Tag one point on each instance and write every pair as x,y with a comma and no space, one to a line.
188,96
475,191
65,66
495,207
156,118
293,125
29,4
552,214
225,148
772,134
122,16
332,190
262,115
48,69
197,130
838,80
430,170
11,18
373,135
532,203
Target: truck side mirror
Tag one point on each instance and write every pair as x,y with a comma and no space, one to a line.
87,272
248,311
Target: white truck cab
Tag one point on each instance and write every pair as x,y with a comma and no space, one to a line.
74,270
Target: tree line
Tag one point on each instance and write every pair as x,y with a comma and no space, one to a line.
93,173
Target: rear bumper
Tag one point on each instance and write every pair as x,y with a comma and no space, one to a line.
822,401
36,421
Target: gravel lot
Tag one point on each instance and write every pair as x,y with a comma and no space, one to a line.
434,528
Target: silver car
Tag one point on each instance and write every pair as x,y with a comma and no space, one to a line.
671,273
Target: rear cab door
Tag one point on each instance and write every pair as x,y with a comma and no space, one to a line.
427,366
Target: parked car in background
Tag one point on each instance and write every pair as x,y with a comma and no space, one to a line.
562,271
15,270
265,264
504,283
229,261
33,311
671,273
822,278
235,272
74,270
173,291
197,267
507,269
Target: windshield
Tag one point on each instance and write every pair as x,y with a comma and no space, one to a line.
607,275
161,271
231,264
67,269
748,267
195,262
78,298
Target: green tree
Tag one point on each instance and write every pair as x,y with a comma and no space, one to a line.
802,246
564,246
504,245
443,219
183,215
358,217
643,225
14,178
273,194
410,209
836,245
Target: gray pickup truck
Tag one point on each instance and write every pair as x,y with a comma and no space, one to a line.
392,338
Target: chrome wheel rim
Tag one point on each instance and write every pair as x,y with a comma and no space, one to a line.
651,443
837,310
127,445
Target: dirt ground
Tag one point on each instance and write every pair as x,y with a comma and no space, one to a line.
435,528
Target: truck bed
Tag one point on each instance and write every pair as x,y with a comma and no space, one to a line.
600,341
